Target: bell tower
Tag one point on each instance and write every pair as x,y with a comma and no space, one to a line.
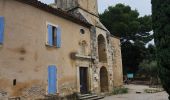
66,4
90,6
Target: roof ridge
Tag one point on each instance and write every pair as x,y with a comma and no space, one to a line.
55,11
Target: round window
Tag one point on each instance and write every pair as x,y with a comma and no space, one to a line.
82,31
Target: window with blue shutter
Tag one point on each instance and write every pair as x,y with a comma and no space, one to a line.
1,29
54,36
58,37
50,35
52,79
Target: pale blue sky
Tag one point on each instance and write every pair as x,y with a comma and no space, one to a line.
143,6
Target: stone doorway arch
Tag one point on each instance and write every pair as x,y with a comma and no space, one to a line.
104,84
102,49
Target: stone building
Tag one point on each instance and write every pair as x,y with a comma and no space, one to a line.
60,49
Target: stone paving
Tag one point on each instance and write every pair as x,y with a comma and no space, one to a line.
132,95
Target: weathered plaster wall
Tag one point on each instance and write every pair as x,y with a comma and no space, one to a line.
89,17
88,5
25,56
117,63
66,4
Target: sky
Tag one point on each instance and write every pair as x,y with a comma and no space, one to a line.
143,6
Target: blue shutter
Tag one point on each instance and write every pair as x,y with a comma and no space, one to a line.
50,35
58,37
52,79
1,29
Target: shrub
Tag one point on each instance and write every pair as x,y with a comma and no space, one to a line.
153,90
119,90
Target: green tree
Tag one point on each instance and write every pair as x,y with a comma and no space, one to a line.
150,70
151,53
132,55
133,31
161,27
124,22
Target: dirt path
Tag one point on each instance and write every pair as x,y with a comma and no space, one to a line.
142,96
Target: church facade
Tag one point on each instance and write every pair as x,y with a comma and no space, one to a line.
61,48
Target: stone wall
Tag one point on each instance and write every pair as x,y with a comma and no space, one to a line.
88,5
117,62
25,56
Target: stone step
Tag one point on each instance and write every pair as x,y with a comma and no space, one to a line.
89,97
97,98
83,95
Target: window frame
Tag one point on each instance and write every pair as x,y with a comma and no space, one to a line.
53,25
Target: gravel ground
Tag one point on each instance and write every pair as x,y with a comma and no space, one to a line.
132,95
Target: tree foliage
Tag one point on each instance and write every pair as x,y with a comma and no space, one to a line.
134,32
150,68
125,23
161,27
